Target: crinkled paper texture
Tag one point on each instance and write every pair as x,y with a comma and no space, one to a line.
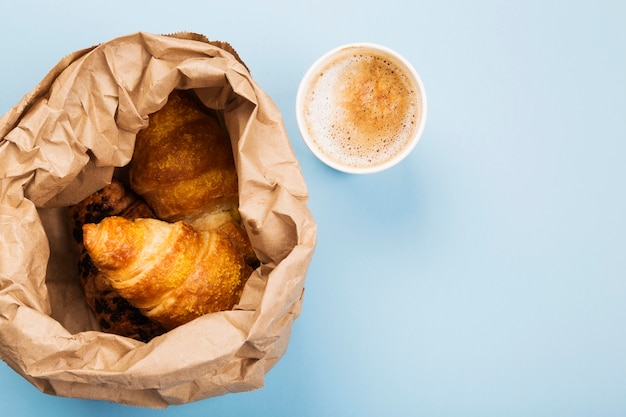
63,141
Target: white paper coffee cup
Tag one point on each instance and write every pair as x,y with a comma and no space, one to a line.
361,108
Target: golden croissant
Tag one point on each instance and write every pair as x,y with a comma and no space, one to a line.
183,162
172,272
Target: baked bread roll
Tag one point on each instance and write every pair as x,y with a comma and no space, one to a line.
113,313
170,271
183,163
195,256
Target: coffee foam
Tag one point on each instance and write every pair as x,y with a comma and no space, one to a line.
361,109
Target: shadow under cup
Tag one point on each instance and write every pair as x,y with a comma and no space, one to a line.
361,108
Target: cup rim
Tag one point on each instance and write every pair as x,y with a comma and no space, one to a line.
305,82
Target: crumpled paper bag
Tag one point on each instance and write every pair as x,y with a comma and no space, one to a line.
65,140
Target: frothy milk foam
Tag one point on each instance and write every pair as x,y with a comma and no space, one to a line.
361,109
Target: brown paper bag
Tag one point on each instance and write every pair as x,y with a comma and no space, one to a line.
62,142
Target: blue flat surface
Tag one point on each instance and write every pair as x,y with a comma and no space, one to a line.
485,274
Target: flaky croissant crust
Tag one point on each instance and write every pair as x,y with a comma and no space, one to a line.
183,163
170,271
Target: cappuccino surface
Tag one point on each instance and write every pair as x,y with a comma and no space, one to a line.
361,109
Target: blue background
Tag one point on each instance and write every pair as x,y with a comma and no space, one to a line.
485,274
